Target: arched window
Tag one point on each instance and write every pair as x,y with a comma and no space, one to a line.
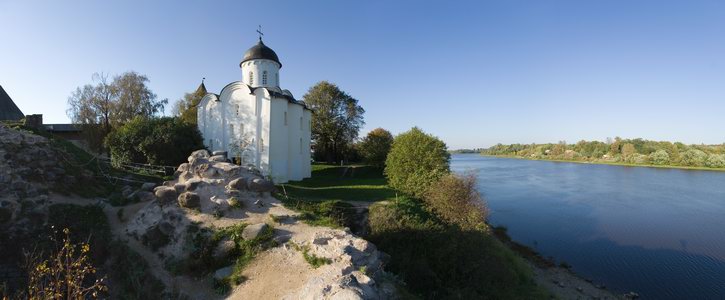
264,77
276,77
251,78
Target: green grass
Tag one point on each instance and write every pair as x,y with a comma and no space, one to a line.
344,183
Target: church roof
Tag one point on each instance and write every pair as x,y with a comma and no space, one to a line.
260,51
8,110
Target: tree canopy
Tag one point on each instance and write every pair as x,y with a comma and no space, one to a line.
375,146
416,161
336,120
186,107
102,105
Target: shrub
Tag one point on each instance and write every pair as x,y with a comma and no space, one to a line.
158,141
716,161
659,157
455,200
693,157
416,160
375,146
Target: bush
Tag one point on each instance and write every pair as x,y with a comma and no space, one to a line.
158,141
440,262
375,146
416,160
693,158
659,157
716,161
455,200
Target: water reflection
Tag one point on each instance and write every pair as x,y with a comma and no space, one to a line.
655,231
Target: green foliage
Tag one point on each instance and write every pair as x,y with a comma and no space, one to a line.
186,107
160,141
416,160
659,157
693,158
715,161
336,121
456,201
375,146
619,151
437,261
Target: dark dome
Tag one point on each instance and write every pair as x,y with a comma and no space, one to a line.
260,51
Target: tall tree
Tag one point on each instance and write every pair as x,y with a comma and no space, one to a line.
375,146
100,106
336,121
186,107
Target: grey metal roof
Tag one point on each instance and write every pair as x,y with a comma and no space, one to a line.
260,51
8,110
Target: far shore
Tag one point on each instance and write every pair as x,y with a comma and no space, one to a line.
610,163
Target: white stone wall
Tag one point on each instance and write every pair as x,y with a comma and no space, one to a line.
257,68
279,148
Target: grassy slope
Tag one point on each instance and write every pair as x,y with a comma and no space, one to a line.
408,231
360,183
613,163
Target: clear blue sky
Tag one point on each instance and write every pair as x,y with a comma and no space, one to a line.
473,73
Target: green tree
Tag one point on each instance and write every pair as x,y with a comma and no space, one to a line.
159,141
103,106
715,161
416,161
186,107
336,121
628,152
659,157
693,158
375,146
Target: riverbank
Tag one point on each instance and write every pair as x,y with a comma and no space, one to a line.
611,163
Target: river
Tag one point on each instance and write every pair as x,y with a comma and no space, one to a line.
658,232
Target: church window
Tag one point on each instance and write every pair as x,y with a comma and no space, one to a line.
241,128
285,118
276,78
261,144
211,144
300,145
231,130
237,108
264,77
251,78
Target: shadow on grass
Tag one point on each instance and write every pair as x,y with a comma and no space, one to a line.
344,183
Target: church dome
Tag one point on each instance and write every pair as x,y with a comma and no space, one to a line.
260,51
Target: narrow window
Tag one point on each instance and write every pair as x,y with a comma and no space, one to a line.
276,75
285,118
211,144
241,129
251,78
237,106
231,130
261,144
300,145
264,77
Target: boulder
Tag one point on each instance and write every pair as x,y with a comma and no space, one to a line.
144,196
198,154
148,186
126,191
189,200
155,238
183,168
165,194
239,184
180,188
223,249
223,273
193,184
206,171
253,231
166,228
261,185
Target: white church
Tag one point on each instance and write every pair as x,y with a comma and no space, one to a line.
257,122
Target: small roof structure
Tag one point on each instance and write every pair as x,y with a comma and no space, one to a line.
8,110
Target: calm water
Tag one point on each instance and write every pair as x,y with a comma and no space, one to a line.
659,232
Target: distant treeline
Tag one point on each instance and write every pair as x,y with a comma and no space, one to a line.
630,151
474,150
